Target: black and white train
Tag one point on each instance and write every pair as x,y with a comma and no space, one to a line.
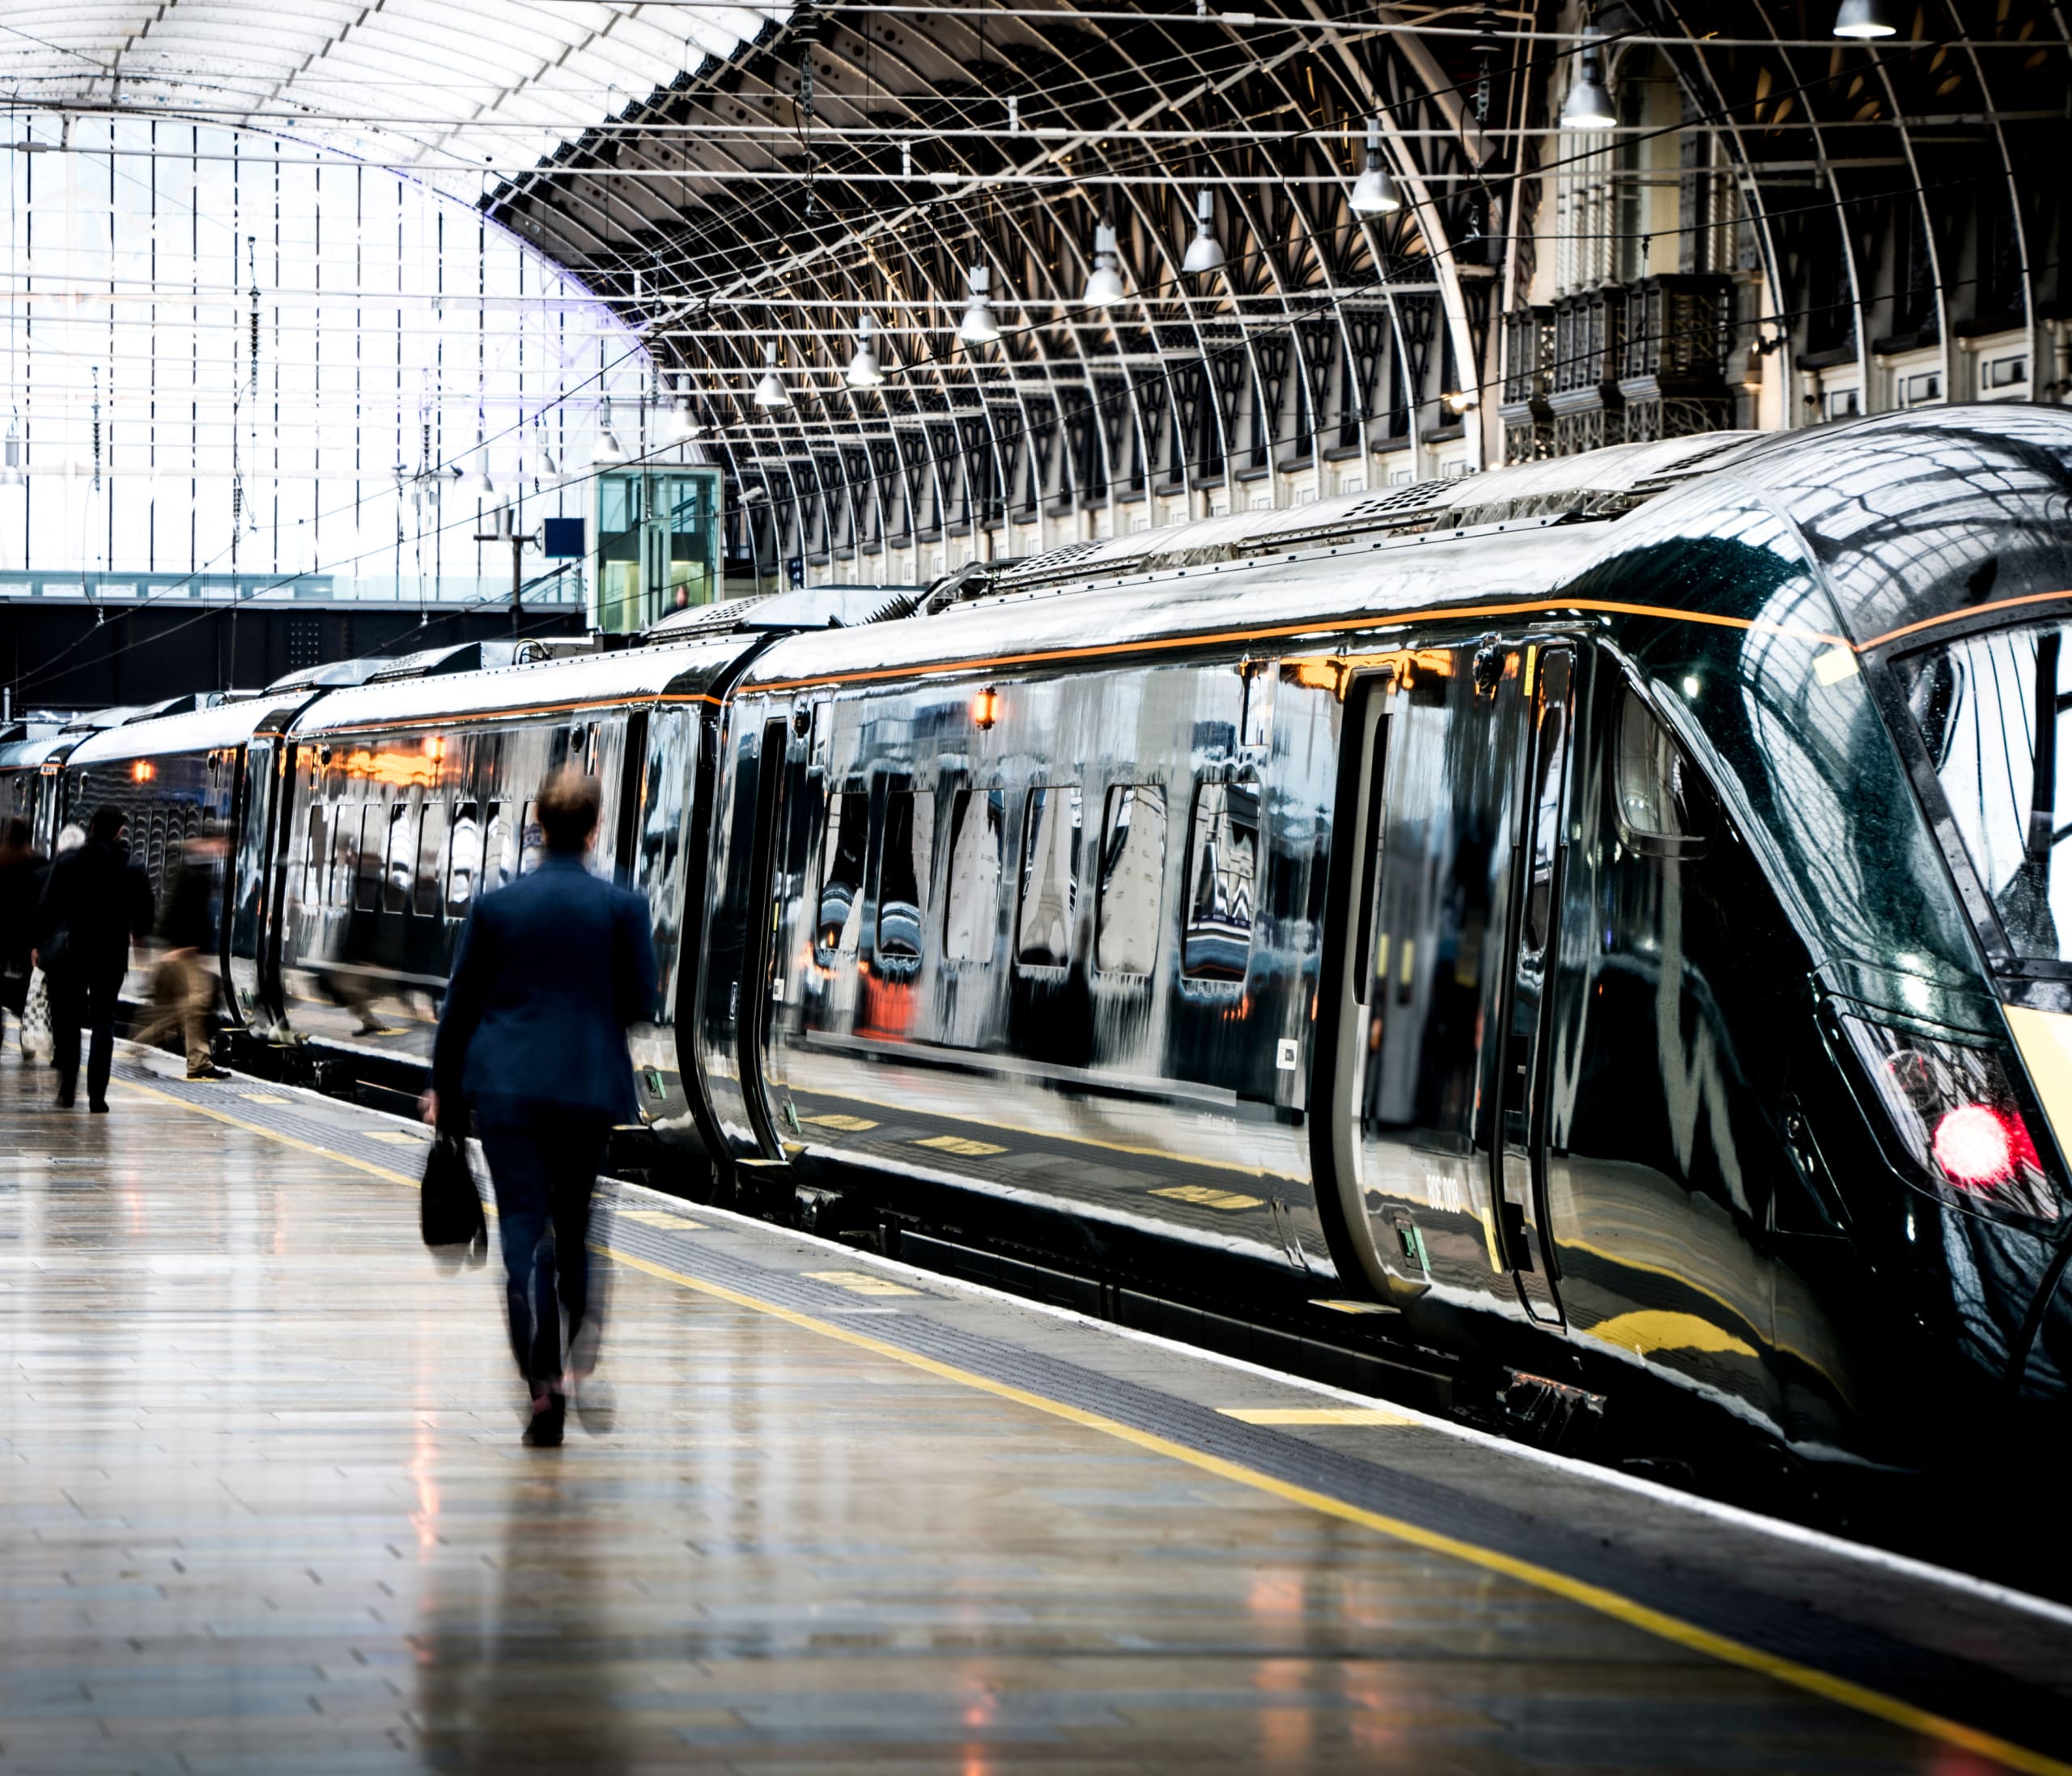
1601,912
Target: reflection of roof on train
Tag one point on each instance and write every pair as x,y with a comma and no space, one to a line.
805,607
121,715
573,683
193,730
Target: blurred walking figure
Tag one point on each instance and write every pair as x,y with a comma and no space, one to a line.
184,985
21,885
549,971
96,903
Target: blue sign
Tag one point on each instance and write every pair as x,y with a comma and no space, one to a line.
563,538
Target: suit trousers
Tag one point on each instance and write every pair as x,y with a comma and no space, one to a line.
183,998
543,1171
84,996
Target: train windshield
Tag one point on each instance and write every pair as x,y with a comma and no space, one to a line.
1995,712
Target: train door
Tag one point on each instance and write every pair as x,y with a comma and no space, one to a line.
762,965
245,874
1444,898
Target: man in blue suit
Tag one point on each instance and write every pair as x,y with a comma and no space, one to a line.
550,972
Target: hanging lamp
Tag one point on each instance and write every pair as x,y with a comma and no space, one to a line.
978,327
1104,283
1588,105
769,392
1204,251
1864,20
1374,192
864,371
607,451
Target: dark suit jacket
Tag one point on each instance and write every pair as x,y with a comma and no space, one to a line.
101,901
550,972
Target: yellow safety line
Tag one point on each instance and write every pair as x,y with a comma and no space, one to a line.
1576,1590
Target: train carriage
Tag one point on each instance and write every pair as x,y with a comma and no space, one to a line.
1620,937
404,802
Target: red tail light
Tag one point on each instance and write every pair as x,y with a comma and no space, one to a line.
1953,1110
1980,1148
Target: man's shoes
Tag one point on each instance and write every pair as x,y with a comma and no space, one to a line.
64,1098
212,1071
549,1410
98,1107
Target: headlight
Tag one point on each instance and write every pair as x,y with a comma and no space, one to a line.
1953,1111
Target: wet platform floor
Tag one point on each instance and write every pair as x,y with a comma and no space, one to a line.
266,1510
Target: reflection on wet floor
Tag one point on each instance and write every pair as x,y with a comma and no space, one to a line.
267,1511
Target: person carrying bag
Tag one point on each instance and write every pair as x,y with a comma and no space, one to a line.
549,971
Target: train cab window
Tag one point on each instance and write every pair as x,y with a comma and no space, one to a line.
1664,809
368,861
1223,861
401,856
1050,876
904,872
464,859
1132,879
841,872
978,847
432,827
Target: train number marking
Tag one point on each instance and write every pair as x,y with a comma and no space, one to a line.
1208,1197
959,1144
861,1282
1287,1054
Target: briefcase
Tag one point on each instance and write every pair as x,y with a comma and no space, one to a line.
449,1211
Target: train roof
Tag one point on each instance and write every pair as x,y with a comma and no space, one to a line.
681,672
33,750
193,730
1297,596
1888,505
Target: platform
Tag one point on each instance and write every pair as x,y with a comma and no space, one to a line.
266,1511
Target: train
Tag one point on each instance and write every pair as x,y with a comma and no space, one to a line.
1596,919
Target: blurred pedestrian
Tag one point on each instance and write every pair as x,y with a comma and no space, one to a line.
96,903
184,984
21,866
549,971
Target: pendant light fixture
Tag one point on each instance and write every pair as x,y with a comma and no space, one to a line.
1104,283
606,452
1204,251
978,327
769,392
12,474
681,426
1588,105
1864,20
1374,192
864,371
545,468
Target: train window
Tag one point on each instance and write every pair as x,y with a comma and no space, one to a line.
372,834
1050,876
533,841
977,846
499,848
1223,861
401,859
316,854
1132,879
464,863
908,853
841,871
1664,809
428,902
